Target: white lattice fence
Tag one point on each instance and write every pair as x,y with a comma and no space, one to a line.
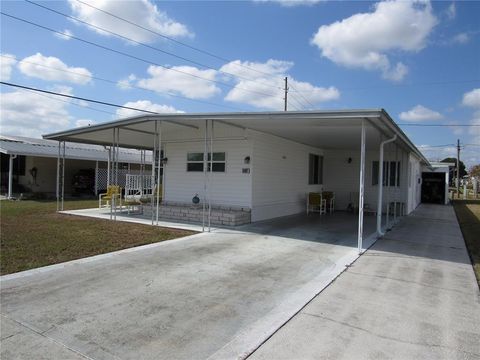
101,178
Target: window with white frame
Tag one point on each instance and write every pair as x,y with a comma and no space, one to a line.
195,162
315,169
393,179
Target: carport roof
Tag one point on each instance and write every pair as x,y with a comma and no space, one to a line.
337,129
26,146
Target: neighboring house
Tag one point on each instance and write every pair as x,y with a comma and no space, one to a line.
267,162
29,165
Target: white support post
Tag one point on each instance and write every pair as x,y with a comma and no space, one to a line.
159,163
10,175
361,191
380,185
109,160
96,178
58,177
210,186
396,185
63,175
117,154
112,176
204,175
155,138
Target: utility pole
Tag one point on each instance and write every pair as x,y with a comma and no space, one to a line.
286,92
458,168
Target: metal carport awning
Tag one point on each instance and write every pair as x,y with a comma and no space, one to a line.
345,129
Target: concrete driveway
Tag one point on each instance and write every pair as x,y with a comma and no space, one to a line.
211,295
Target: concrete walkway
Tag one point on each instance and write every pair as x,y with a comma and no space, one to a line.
413,295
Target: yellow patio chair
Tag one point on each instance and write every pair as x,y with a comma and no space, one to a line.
114,192
315,203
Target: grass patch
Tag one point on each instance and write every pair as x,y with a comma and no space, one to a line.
34,235
468,215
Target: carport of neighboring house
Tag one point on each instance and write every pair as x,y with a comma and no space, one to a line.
29,166
263,165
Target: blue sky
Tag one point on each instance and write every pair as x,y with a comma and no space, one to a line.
419,60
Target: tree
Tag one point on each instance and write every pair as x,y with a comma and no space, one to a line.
475,171
453,170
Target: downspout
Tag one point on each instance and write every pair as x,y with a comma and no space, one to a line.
380,185
10,174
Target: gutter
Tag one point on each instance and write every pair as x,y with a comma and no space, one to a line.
380,185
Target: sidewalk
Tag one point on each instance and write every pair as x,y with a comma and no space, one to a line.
413,295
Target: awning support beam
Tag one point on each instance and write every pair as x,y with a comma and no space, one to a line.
159,164
361,191
10,175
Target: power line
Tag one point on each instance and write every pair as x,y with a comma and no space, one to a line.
116,82
301,95
70,102
304,105
292,101
133,56
79,98
431,83
173,40
434,146
145,45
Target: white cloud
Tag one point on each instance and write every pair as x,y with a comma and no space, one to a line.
461,38
142,12
6,64
30,114
472,98
178,81
67,35
451,11
397,73
291,3
145,105
266,89
53,69
363,40
420,113
127,83
84,122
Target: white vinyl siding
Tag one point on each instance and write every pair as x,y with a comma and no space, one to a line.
279,176
230,188
342,177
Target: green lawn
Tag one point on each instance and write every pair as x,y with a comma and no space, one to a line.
468,215
32,234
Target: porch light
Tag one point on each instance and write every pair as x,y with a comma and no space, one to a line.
349,160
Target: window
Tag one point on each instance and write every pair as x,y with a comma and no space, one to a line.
394,169
195,162
315,169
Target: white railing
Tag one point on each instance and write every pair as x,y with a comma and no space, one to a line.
138,186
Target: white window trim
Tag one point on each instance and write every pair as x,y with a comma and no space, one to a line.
201,162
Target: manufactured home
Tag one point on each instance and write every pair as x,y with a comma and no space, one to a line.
262,165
